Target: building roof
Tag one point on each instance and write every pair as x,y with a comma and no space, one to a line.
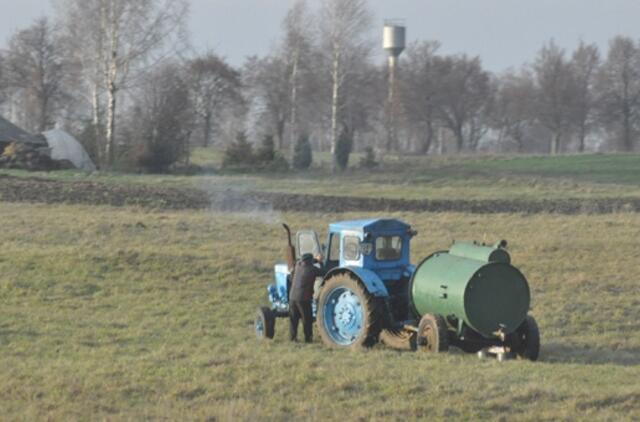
374,224
12,133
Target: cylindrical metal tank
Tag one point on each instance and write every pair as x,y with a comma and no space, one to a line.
488,296
394,38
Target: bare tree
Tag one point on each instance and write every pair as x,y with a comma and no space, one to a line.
619,88
419,85
464,98
34,67
126,34
3,79
298,48
162,118
214,85
513,112
268,86
584,66
556,93
344,27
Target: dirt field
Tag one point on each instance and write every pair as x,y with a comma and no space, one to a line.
40,190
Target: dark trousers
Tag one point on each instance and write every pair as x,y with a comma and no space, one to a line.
300,309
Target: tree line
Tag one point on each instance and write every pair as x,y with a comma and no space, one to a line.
122,77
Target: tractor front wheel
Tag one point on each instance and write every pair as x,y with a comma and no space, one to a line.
265,323
433,334
348,316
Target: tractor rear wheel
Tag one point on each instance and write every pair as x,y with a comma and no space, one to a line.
348,316
265,323
526,344
433,334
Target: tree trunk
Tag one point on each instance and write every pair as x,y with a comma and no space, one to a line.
95,120
459,139
554,147
280,132
207,130
335,74
626,135
427,140
581,138
111,125
294,104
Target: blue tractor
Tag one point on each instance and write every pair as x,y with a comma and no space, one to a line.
469,296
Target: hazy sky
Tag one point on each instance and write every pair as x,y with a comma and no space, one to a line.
503,32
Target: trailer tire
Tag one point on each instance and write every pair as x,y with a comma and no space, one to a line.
433,334
528,340
348,316
265,323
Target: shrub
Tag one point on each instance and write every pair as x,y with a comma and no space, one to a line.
302,153
369,160
343,149
238,153
267,152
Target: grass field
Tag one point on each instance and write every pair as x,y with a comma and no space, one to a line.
578,176
122,314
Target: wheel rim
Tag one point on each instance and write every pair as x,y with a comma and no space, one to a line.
428,340
343,316
259,327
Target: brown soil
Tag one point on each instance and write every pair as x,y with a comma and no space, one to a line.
37,190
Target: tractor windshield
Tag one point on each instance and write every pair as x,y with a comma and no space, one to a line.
388,248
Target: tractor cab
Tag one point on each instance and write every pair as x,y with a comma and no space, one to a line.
379,245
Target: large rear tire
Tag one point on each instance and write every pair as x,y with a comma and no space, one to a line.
433,334
265,323
348,316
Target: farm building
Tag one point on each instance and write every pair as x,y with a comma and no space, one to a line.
11,133
58,144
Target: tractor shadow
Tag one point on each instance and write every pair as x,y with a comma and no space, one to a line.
586,355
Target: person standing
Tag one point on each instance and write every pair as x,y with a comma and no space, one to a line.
300,297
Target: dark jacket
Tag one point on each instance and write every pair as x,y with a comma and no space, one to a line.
304,278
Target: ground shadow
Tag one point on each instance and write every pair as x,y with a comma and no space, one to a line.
585,354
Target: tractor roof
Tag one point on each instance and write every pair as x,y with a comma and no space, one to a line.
369,225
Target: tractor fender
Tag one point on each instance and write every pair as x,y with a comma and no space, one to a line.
369,279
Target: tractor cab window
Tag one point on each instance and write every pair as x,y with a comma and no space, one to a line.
351,248
307,242
388,248
333,257
334,247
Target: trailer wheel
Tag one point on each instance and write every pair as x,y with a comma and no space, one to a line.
433,335
527,341
348,316
399,339
265,323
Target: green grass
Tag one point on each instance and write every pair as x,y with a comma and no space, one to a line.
122,314
531,178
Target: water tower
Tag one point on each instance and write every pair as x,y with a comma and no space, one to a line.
393,41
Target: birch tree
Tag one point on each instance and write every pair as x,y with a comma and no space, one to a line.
126,35
344,27
297,47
